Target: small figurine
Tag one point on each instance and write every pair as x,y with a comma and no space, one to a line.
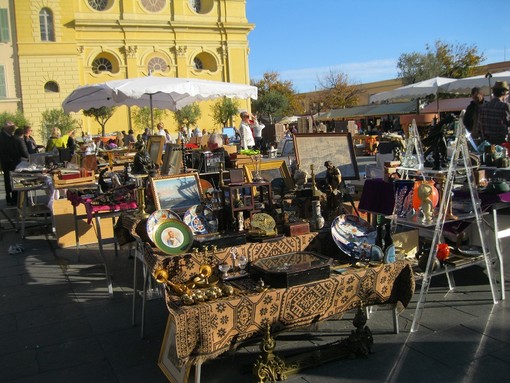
427,206
332,187
300,178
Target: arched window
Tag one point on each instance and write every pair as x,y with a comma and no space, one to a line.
157,64
46,25
102,64
51,87
99,5
196,5
198,63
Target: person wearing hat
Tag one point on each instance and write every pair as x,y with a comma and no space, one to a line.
470,119
494,116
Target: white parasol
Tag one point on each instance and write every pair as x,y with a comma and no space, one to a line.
484,81
155,92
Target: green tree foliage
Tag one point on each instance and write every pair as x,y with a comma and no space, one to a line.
441,59
18,118
223,110
142,117
188,115
271,82
101,115
57,118
271,104
337,92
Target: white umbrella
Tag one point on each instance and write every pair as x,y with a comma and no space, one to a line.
155,92
484,81
416,90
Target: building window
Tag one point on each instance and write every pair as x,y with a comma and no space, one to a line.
46,25
157,64
154,5
196,5
197,63
5,36
51,87
99,5
3,85
101,64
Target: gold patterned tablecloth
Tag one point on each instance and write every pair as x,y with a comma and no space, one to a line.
205,330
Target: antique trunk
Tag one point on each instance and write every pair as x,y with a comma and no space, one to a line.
291,269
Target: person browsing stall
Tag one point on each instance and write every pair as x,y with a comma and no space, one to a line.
29,140
56,140
10,157
494,116
470,119
215,145
247,139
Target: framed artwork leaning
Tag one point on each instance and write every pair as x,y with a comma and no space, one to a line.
174,370
317,148
176,192
276,172
172,160
155,146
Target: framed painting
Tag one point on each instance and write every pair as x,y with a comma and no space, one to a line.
175,370
155,145
275,172
177,192
317,148
172,160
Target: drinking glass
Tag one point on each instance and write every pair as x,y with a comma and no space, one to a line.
242,261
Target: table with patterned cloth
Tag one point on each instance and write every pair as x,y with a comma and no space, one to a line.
207,329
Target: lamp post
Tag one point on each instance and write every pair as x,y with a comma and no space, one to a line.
318,106
488,76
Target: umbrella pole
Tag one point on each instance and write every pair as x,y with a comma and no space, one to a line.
152,114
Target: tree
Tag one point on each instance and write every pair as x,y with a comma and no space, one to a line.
271,104
101,115
18,118
188,115
57,118
142,116
336,92
271,82
442,59
223,110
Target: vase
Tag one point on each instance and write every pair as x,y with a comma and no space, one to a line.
403,198
317,218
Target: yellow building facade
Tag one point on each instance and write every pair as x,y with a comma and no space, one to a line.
66,43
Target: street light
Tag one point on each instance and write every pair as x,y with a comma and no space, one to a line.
488,76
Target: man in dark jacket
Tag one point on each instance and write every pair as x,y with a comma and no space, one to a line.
471,116
494,116
10,157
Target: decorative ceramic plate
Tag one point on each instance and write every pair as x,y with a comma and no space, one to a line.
353,235
201,220
156,218
173,237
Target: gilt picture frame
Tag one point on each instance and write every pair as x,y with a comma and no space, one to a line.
155,146
271,171
317,148
168,362
176,192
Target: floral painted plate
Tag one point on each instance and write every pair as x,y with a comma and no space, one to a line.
201,220
173,237
156,218
353,235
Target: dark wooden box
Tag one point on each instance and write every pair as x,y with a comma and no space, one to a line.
296,228
220,240
291,269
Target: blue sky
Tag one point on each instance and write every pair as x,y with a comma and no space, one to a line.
303,40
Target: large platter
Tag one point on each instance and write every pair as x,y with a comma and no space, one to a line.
156,218
352,234
173,237
201,220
